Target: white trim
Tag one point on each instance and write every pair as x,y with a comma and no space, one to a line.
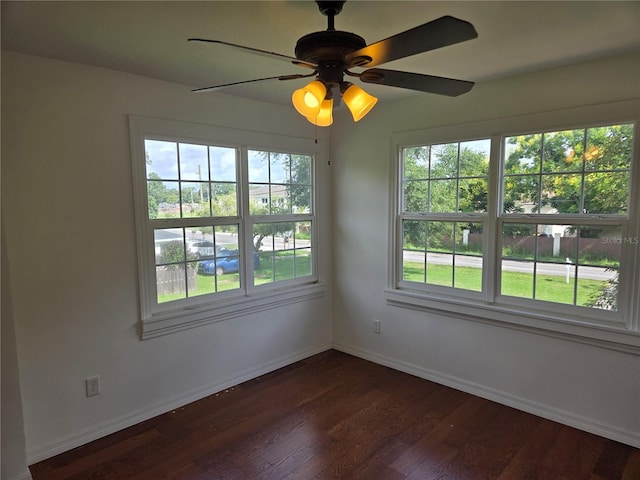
545,411
49,449
611,338
186,318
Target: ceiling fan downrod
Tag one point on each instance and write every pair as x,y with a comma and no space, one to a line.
330,9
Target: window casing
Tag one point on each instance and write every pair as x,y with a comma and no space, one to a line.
558,255
224,227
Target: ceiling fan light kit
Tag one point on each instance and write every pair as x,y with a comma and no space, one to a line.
332,53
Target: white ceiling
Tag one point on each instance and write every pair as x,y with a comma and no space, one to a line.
150,38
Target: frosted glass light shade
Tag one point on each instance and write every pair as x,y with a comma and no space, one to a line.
324,117
308,100
358,101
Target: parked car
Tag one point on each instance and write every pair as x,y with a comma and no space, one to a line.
203,248
226,261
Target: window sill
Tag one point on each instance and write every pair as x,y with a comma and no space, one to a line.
185,318
616,338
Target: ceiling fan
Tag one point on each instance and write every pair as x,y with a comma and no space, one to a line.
332,54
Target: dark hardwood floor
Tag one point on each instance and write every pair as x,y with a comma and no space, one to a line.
334,416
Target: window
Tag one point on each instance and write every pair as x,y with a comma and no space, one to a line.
538,224
444,203
222,227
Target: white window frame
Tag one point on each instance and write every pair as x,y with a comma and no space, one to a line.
161,319
618,330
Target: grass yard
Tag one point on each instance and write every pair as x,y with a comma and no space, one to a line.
549,288
274,266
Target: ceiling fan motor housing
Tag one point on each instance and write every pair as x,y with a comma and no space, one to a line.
328,49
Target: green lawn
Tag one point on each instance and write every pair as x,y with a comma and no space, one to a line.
548,287
284,264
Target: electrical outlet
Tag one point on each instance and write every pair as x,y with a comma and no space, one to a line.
376,326
92,386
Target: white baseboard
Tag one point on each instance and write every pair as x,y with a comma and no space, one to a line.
49,449
545,411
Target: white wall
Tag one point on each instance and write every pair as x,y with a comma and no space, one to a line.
67,200
589,387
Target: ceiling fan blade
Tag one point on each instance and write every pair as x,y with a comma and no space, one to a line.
224,85
438,33
257,51
416,81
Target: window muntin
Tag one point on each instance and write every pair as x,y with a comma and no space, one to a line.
545,185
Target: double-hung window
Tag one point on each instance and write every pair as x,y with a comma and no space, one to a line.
223,227
526,224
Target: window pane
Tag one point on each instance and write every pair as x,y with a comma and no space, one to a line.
194,163
223,164
472,195
561,194
259,198
444,161
474,158
301,199
517,267
161,160
225,200
163,199
415,163
442,196
562,151
258,166
279,171
195,199
415,196
523,154
301,169
169,246
520,194
606,192
468,259
279,201
609,148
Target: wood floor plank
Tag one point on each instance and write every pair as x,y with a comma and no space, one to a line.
335,416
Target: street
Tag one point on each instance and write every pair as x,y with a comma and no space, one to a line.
524,266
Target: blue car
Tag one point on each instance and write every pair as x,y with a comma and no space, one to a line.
227,261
